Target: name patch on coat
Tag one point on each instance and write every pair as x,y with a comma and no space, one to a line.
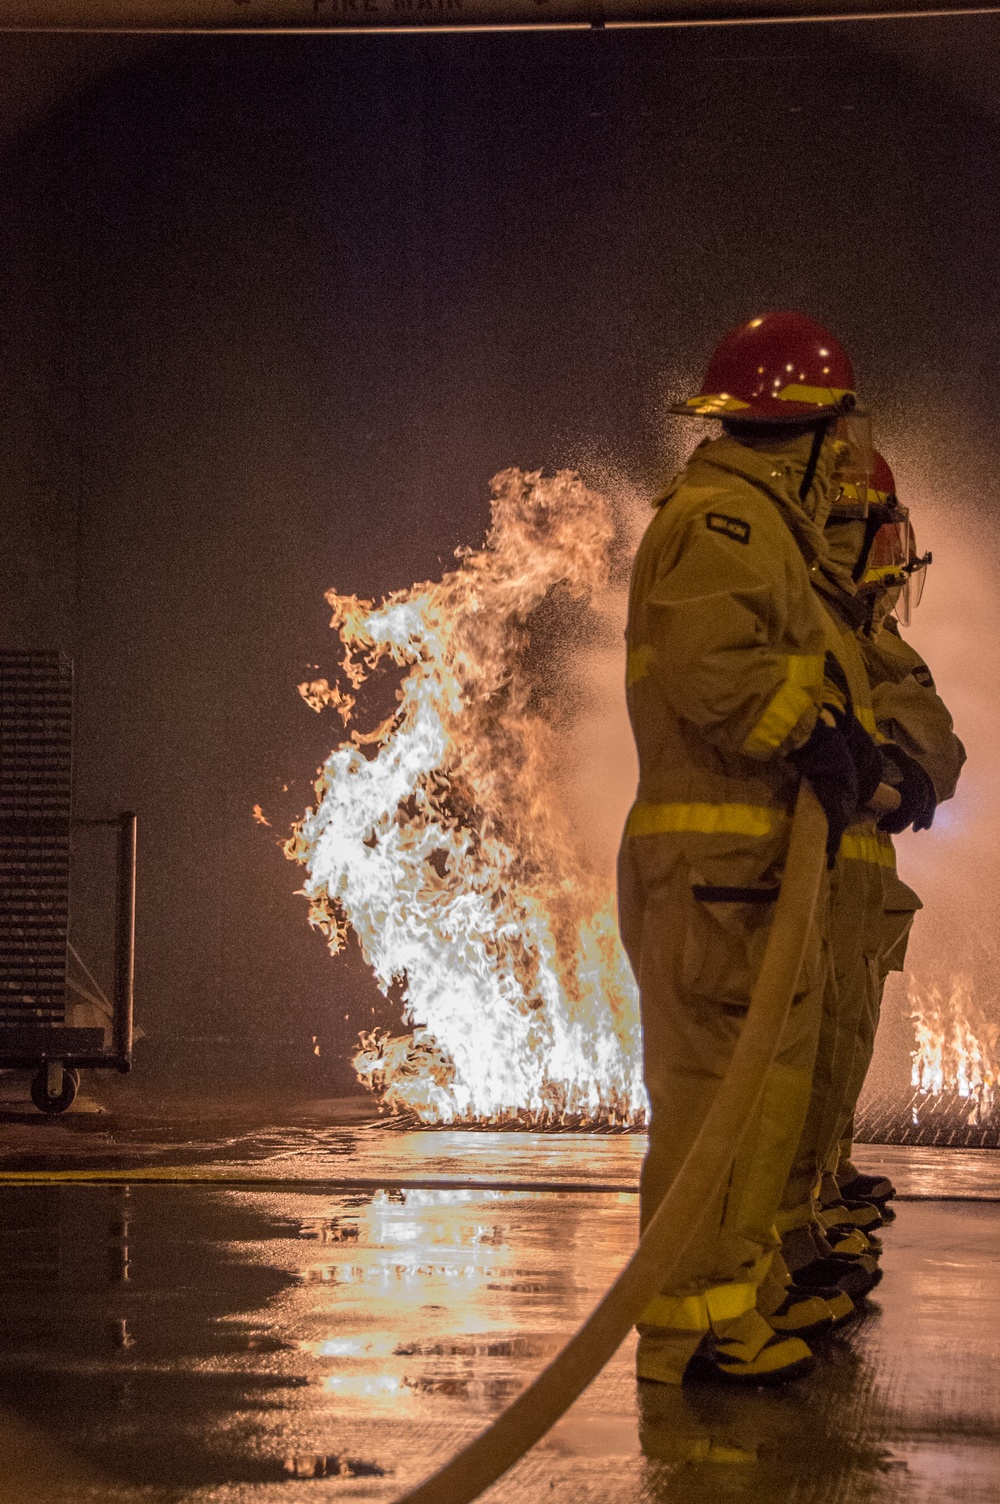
922,674
733,527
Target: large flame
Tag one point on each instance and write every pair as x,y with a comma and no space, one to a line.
442,837
956,1047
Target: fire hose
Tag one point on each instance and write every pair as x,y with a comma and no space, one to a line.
679,1215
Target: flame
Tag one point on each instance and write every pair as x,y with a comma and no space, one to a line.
952,1053
442,837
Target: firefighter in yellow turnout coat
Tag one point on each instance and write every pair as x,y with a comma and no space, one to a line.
732,698
858,886
872,909
912,719
924,759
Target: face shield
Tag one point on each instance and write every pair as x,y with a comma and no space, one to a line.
896,573
915,572
851,437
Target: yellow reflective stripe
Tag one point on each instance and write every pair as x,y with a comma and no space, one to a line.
866,717
638,665
786,708
721,402
881,574
705,819
804,668
821,396
685,1313
720,1451
868,849
695,1313
726,1301
782,715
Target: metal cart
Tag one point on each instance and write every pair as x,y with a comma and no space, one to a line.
37,992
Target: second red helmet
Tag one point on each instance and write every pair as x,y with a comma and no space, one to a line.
893,567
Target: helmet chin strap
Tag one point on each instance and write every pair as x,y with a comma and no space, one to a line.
819,434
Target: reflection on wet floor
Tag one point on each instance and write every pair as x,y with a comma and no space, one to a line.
179,1341
338,1141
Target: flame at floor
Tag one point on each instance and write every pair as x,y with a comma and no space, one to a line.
442,838
950,1099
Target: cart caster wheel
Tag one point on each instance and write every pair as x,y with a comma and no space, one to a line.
63,1078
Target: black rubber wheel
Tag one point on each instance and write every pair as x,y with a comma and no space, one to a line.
40,1090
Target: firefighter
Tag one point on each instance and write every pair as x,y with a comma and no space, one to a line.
924,758
737,687
871,909
826,1248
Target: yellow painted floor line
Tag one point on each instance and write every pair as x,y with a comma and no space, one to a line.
208,1175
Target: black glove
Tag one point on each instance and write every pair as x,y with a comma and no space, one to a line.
827,762
917,800
864,749
868,759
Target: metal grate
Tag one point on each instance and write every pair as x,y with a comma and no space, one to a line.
36,726
947,1121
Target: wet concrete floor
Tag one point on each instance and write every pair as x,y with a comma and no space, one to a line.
236,1311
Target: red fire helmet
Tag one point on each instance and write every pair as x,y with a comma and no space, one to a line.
778,368
881,482
893,564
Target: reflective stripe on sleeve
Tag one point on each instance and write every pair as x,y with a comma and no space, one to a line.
638,665
706,819
804,672
875,849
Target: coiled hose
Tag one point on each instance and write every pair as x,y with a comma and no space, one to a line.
662,1246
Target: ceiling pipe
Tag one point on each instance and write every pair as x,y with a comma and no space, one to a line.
327,17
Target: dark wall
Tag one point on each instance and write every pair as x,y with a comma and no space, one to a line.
274,311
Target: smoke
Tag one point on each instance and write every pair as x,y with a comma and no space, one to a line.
603,770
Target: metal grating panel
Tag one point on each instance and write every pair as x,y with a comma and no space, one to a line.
36,726
947,1121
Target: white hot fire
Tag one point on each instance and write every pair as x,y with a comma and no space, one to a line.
956,1047
443,838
